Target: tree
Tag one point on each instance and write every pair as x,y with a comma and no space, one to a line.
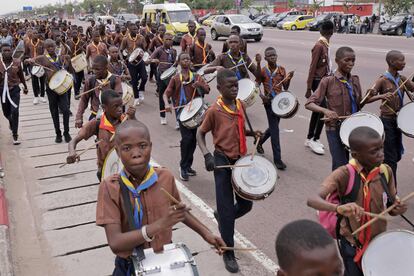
291,4
392,7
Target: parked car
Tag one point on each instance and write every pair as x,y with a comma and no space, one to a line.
395,26
248,29
104,18
316,24
364,26
286,19
123,18
82,17
271,20
262,19
89,17
209,20
298,23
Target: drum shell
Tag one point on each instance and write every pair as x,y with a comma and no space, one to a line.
127,94
291,113
167,74
252,94
64,85
112,164
400,119
79,62
197,119
38,71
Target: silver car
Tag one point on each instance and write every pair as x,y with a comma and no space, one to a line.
222,25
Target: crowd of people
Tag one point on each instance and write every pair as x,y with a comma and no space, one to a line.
131,206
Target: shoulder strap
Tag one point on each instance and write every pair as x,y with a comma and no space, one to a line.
98,122
92,81
112,82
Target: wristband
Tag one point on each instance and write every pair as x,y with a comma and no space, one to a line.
145,234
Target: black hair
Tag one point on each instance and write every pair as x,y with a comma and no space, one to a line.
181,54
391,55
297,236
270,49
49,42
360,136
100,59
131,124
235,28
326,27
340,53
200,29
224,74
191,22
108,95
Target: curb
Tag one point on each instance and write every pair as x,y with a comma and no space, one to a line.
6,268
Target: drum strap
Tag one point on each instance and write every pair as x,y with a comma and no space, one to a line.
354,105
6,90
396,82
240,61
271,75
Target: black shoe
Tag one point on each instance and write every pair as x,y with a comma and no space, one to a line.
67,136
16,140
191,172
280,165
260,149
70,113
183,174
230,262
58,139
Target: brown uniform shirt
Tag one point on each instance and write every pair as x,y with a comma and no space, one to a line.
278,75
118,68
93,97
319,66
225,61
32,49
90,129
338,181
161,54
201,54
13,73
337,96
44,61
76,48
225,130
93,50
186,41
384,85
110,206
131,44
155,43
118,39
174,89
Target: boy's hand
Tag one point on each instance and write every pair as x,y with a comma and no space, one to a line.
209,162
387,96
399,209
25,91
168,108
176,214
350,210
215,241
290,74
331,115
78,123
72,157
258,134
308,93
131,112
258,58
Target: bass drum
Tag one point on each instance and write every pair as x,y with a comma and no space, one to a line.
61,82
390,253
112,164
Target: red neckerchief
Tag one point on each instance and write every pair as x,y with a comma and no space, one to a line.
364,236
106,124
240,121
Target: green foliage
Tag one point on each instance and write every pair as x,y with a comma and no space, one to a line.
392,7
291,4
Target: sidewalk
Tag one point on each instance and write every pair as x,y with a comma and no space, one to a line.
52,209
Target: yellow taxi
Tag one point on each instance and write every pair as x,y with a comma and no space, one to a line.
209,20
297,23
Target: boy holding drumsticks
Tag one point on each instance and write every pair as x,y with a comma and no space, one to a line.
372,191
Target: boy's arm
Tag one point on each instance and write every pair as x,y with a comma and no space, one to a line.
87,131
314,101
401,207
208,157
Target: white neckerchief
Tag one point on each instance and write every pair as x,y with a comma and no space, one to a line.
6,90
102,82
326,42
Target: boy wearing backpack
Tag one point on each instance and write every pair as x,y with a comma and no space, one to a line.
364,184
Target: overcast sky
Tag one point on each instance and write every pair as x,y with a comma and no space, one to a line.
7,6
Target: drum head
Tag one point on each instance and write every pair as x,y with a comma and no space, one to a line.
112,164
246,86
145,57
127,93
57,79
168,73
195,107
207,77
390,253
256,181
360,119
404,118
135,54
284,103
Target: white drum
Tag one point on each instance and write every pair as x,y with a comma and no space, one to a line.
255,181
79,62
127,94
390,253
360,119
176,259
247,92
207,77
38,71
193,117
112,164
168,73
135,54
285,105
404,118
61,82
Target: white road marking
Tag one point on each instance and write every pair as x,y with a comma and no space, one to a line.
258,255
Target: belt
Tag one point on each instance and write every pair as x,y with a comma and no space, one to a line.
389,117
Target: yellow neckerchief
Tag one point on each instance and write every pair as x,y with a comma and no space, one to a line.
35,46
162,40
192,36
133,40
96,46
324,41
104,81
107,125
190,79
76,44
197,43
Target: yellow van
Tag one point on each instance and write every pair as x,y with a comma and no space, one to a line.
174,16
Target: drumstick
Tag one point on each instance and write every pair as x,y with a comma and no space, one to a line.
287,76
396,90
232,166
173,108
366,96
192,98
44,67
225,248
164,62
173,199
235,66
342,117
255,149
386,211
82,152
90,90
375,215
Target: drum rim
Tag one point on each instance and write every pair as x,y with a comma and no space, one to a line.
411,135
293,110
62,71
132,54
105,161
165,76
195,102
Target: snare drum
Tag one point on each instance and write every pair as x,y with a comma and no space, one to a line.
360,119
256,181
61,82
404,118
135,54
127,94
168,73
175,259
112,164
285,105
79,62
38,71
194,117
247,92
207,77
390,253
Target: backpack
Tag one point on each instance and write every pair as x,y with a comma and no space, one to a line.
331,220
